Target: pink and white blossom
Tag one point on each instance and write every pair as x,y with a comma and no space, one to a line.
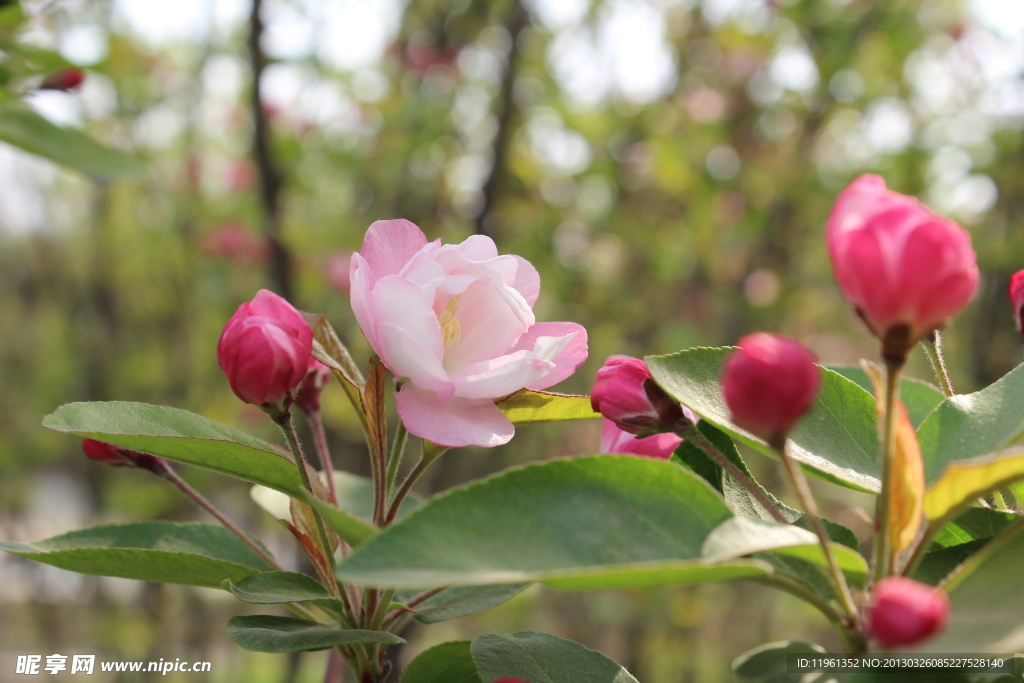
455,324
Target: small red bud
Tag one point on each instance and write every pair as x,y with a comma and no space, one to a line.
64,80
769,384
102,452
264,350
905,612
122,457
1017,299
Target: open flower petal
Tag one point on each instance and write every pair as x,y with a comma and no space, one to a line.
389,245
460,422
542,337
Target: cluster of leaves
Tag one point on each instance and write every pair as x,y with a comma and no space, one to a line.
584,523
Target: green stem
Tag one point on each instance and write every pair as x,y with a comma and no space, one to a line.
883,542
397,614
172,476
377,621
284,420
425,461
316,424
1000,501
397,452
932,345
688,431
803,492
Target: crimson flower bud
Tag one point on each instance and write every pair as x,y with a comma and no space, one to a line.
769,383
619,395
905,612
264,350
905,270
121,457
307,398
1017,299
65,79
102,452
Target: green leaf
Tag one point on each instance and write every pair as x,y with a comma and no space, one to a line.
960,539
272,588
767,663
920,397
587,522
543,658
741,536
971,425
837,439
529,407
460,601
190,554
963,482
265,633
445,663
938,564
24,128
179,435
986,602
737,498
974,524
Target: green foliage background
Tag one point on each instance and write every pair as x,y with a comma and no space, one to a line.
689,219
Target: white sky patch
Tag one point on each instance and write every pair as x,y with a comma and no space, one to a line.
356,33
559,14
793,68
1005,17
633,35
161,22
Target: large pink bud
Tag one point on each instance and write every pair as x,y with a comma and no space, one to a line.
619,394
905,270
264,350
1017,299
769,384
905,612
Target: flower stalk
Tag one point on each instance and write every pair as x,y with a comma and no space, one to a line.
884,557
807,502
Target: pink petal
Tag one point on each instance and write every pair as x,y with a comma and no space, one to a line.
501,376
406,357
361,280
477,248
460,422
567,359
527,281
389,245
399,302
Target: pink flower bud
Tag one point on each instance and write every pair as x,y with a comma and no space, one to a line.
1017,299
614,440
619,394
905,612
769,384
64,80
264,350
905,270
307,398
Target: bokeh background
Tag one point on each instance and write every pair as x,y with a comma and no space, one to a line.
667,165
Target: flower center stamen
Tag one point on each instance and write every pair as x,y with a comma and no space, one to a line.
450,327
